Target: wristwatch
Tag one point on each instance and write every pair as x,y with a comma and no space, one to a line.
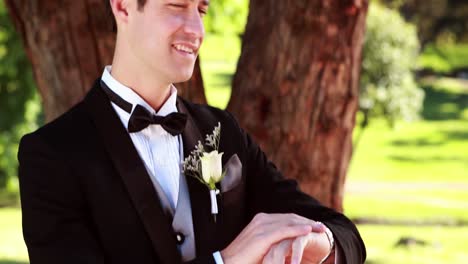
332,244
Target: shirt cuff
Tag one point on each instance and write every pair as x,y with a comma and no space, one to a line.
217,257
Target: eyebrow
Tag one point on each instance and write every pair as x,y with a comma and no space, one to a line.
204,2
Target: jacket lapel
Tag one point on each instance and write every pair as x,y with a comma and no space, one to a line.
130,167
204,226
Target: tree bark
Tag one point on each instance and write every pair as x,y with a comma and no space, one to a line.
296,87
68,43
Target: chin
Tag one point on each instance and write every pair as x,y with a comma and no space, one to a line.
183,75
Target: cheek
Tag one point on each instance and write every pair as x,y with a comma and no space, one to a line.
171,24
163,32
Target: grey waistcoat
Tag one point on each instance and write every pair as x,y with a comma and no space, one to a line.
182,223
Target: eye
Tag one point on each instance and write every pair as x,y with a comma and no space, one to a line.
203,11
177,6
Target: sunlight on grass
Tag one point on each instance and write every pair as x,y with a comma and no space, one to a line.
421,151
409,207
446,84
220,48
441,244
218,97
12,246
218,59
464,114
444,58
217,78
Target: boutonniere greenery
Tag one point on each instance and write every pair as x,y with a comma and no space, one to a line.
204,163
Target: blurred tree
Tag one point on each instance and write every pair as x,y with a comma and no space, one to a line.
226,16
16,82
296,87
387,85
437,20
17,91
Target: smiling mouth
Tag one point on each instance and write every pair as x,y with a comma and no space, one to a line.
184,48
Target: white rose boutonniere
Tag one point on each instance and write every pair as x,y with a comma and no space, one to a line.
211,168
207,166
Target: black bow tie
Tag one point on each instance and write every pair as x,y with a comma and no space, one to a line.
141,118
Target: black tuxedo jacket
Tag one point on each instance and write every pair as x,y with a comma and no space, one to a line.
87,198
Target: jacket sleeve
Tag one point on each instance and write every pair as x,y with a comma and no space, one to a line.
269,192
55,228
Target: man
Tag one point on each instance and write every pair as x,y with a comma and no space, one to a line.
103,182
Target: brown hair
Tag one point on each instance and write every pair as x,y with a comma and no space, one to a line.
141,5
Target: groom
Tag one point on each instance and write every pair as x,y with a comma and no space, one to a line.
103,183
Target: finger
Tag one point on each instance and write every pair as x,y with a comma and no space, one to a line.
318,227
264,220
274,235
290,218
266,223
298,249
293,219
278,252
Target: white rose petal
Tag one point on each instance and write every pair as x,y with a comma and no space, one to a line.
211,165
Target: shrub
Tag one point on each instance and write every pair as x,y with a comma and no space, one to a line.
390,52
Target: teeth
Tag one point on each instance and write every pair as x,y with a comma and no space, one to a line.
183,48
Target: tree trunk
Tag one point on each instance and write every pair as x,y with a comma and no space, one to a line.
296,87
68,43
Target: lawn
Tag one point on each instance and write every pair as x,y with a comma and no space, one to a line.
444,58
12,248
436,244
414,172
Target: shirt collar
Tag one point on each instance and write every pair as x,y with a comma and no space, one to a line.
132,97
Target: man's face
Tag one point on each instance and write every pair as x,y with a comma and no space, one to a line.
165,37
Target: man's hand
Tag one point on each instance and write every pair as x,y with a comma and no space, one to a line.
265,230
307,249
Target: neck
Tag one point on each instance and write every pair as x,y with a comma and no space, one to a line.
140,79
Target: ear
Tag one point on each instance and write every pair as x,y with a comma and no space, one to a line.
120,10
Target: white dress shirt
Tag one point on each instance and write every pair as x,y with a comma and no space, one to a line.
161,152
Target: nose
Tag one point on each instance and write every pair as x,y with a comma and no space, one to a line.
194,25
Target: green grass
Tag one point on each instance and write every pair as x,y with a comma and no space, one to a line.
417,171
444,59
218,57
217,77
410,206
430,150
12,247
423,151
443,244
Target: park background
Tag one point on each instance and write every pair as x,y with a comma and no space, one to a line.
406,186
